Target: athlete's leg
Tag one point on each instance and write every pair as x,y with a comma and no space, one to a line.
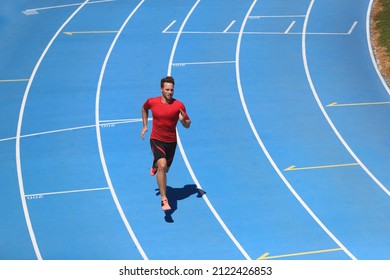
158,152
162,169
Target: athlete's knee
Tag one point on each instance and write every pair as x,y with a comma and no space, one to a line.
162,165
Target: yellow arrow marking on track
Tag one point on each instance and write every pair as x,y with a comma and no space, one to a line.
266,255
89,32
14,80
335,104
294,168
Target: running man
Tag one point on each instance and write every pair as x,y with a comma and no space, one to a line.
166,112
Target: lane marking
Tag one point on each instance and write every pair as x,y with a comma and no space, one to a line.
326,116
181,64
352,27
292,16
120,121
229,26
260,33
102,124
294,168
286,32
263,256
290,26
267,257
66,192
34,11
335,104
19,130
260,142
276,16
169,26
180,145
70,33
14,81
99,137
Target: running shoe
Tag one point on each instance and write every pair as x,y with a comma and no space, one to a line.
153,171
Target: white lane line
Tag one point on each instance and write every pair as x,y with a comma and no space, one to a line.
105,123
99,138
373,58
180,145
276,16
338,134
269,157
34,11
71,33
66,192
19,129
14,81
287,32
181,64
122,121
229,26
335,104
290,26
169,26
263,33
352,27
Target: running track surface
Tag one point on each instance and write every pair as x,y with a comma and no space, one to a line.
287,157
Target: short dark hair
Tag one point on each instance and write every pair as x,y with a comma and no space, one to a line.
167,79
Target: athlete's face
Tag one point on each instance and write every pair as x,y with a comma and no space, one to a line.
167,91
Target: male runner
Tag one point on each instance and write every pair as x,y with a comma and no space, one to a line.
166,112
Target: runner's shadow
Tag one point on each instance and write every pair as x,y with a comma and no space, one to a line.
176,194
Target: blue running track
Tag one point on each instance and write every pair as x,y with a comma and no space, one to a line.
288,155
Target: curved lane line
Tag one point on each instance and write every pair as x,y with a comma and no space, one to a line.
215,213
269,157
319,103
19,129
99,138
373,59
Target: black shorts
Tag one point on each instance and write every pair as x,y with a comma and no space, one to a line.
163,150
